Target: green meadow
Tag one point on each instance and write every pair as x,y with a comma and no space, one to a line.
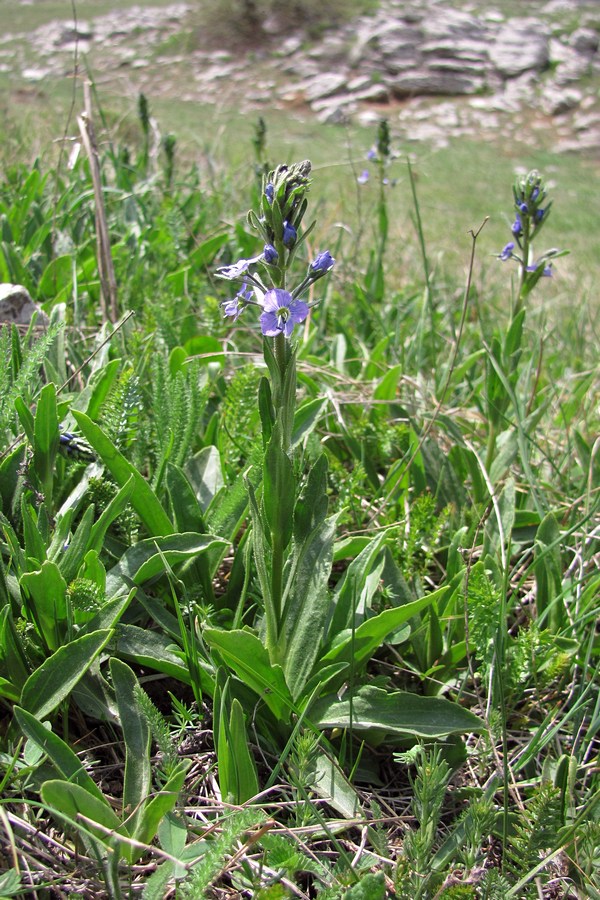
299,524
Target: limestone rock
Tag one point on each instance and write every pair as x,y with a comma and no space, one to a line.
520,45
17,307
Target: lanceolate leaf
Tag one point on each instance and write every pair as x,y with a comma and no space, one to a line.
52,682
145,560
138,773
65,761
307,605
143,498
243,652
369,636
395,714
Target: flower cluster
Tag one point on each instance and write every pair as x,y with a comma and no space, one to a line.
283,205
380,154
531,213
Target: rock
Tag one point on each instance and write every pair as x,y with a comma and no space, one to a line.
433,80
555,100
323,85
520,45
17,307
585,40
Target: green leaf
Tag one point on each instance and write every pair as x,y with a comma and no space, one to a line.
245,767
74,801
143,498
136,734
205,475
370,887
46,438
548,569
162,804
146,559
72,559
307,604
108,515
327,780
306,418
156,651
243,652
12,655
47,593
395,714
357,587
369,636
279,488
52,682
67,764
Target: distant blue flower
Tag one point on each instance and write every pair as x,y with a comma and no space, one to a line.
535,193
517,226
281,313
372,154
507,252
523,207
269,191
323,263
363,177
236,270
289,234
547,273
539,214
236,306
270,254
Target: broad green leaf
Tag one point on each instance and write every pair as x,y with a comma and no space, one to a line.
45,438
243,652
13,661
205,475
143,498
371,634
74,801
71,560
47,592
187,512
306,418
67,764
498,529
357,588
279,489
245,767
136,735
548,567
162,804
328,781
370,887
146,559
307,605
398,714
157,652
52,682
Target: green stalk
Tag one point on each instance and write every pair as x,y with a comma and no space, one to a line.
526,243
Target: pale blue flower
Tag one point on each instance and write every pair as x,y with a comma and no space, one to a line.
363,177
507,252
281,313
237,304
236,270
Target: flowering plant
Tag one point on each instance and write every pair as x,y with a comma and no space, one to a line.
275,503
532,210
